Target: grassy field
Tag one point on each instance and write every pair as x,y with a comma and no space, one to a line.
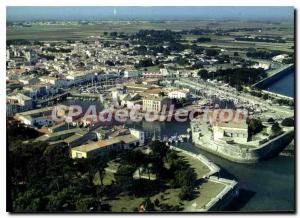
82,31
168,196
207,191
199,167
228,42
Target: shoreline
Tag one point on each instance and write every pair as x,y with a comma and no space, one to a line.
253,155
224,198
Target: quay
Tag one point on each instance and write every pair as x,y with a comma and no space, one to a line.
274,75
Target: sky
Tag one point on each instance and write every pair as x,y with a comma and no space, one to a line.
21,13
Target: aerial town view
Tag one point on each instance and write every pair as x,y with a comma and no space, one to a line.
150,109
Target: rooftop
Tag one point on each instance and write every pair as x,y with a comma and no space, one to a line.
96,145
127,139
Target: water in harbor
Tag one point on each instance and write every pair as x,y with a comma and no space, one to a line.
284,86
265,186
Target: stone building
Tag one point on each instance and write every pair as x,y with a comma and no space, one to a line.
156,104
236,131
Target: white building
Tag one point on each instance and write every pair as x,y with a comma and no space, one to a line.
264,65
279,58
138,134
237,132
58,82
17,103
179,94
78,77
38,117
28,80
128,141
164,72
156,104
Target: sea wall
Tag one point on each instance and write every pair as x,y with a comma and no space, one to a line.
249,155
275,77
223,198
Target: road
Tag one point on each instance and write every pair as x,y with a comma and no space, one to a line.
227,92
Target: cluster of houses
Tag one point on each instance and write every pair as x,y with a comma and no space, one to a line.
83,141
36,71
147,95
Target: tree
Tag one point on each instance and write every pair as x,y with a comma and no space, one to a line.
63,200
203,74
255,126
113,34
239,88
186,177
212,52
99,163
88,204
276,129
182,61
141,50
109,63
29,200
265,96
203,39
124,177
186,193
196,49
44,178
186,180
289,121
144,63
139,160
159,149
147,205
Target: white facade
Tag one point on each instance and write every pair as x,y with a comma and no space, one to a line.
75,78
279,58
238,134
164,72
265,66
155,104
58,82
138,134
178,94
18,103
